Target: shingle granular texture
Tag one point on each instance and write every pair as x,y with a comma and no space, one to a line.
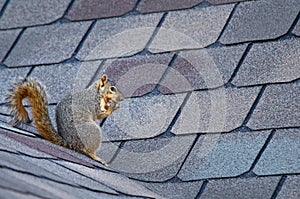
146,6
142,120
200,69
223,1
222,155
259,188
155,160
91,9
220,110
260,20
2,2
47,44
278,107
190,29
290,188
119,37
270,62
277,158
176,190
32,12
129,73
7,38
296,30
69,78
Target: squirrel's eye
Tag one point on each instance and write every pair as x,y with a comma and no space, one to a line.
113,89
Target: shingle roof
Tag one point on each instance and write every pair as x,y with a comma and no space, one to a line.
212,97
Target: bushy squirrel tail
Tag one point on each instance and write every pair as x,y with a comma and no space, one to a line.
37,97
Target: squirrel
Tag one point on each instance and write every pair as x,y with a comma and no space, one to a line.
76,113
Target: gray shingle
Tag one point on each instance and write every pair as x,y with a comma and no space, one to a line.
223,1
176,190
18,162
142,117
260,20
7,38
278,158
107,150
32,12
290,188
8,194
278,107
222,155
190,29
129,73
13,145
115,181
156,159
66,175
92,9
118,37
163,5
2,2
296,30
47,44
8,76
270,62
199,69
25,183
259,188
214,111
68,78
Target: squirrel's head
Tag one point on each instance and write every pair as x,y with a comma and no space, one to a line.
110,92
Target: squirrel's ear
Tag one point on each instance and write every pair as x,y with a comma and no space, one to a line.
102,81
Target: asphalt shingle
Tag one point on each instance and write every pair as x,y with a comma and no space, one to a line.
67,175
47,44
190,29
200,69
69,77
2,2
8,194
146,6
49,148
156,159
278,159
223,1
118,37
7,38
296,30
146,117
222,155
213,111
249,188
278,107
19,163
92,9
260,20
290,188
129,73
29,184
176,190
8,76
127,186
32,12
270,62
15,146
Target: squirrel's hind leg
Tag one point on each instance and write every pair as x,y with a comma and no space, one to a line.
95,157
